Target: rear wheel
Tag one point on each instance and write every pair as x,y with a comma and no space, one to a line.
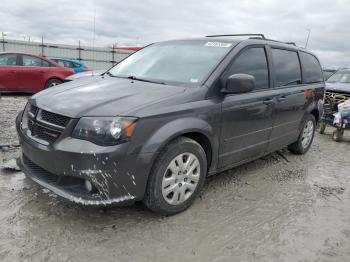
52,83
322,128
337,135
177,177
306,136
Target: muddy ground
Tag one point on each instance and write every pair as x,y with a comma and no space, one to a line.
279,208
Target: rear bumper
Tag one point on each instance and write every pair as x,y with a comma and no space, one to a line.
117,177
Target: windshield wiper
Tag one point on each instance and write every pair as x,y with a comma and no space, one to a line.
145,80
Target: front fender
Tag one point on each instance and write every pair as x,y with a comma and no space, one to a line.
179,127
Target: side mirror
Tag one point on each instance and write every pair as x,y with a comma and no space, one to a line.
239,83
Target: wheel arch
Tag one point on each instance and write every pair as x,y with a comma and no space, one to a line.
194,128
52,78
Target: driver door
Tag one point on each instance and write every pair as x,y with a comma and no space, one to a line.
247,118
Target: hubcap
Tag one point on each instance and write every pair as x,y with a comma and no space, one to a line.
307,134
53,84
180,178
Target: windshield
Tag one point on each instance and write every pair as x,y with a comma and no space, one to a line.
175,62
340,77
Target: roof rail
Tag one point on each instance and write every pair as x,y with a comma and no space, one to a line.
256,35
290,43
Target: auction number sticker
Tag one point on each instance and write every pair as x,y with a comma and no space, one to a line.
218,44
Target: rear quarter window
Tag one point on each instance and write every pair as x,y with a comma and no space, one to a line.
286,66
312,70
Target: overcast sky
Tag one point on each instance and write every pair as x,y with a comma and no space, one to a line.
131,22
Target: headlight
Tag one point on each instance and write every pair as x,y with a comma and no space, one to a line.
105,131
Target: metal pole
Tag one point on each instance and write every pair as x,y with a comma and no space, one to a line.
42,45
307,39
79,53
113,51
3,41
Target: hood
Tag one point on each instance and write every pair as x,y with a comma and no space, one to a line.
339,87
102,96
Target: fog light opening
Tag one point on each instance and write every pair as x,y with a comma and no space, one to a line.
88,186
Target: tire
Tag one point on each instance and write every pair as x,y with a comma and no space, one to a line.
52,82
300,147
337,135
322,128
184,185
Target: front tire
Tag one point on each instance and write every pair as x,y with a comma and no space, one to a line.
177,177
306,136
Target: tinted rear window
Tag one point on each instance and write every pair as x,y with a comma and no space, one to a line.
287,67
312,70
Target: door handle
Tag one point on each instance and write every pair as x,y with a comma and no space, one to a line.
268,101
281,99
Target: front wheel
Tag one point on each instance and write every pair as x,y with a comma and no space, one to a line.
177,177
306,136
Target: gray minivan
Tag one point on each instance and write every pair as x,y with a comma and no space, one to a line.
154,126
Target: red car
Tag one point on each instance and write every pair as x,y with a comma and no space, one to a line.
27,73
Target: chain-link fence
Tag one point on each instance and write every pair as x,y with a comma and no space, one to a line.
95,58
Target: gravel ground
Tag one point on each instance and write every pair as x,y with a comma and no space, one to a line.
279,208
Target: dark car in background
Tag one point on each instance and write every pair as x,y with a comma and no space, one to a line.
156,125
328,73
338,85
76,65
20,72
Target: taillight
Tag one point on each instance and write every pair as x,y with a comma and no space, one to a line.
86,69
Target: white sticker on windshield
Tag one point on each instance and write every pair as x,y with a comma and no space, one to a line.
218,44
194,80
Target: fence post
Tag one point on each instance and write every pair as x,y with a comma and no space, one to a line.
3,41
79,52
113,55
42,46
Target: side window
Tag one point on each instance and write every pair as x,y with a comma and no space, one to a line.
45,63
33,61
253,62
312,70
60,62
8,60
69,64
287,67
76,65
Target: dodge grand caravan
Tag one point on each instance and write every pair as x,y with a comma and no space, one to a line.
153,127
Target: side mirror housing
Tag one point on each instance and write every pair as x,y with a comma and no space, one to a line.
239,83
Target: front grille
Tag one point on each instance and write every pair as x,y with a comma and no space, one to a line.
71,184
336,97
33,110
45,127
55,119
40,172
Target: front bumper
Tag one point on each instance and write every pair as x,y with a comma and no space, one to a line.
117,177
